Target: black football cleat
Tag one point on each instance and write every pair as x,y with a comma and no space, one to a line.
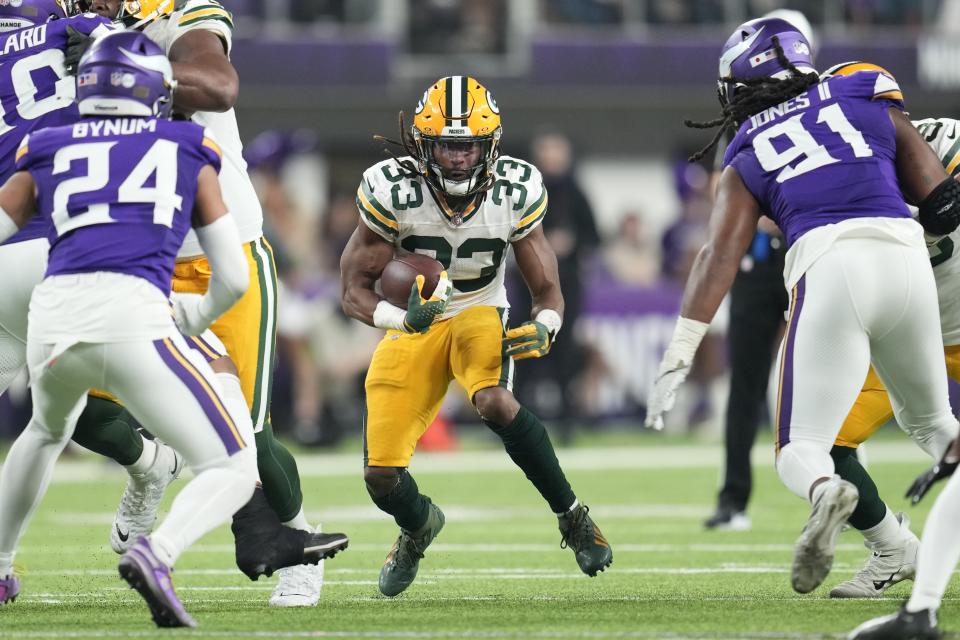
583,536
902,625
263,545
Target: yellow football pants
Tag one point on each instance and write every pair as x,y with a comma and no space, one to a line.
410,372
249,328
872,409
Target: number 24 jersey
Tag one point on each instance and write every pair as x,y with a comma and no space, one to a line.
472,246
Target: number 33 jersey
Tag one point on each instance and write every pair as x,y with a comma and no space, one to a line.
824,156
471,245
119,192
943,135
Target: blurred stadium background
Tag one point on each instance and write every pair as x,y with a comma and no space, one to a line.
592,91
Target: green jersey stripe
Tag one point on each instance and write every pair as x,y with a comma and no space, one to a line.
533,207
949,155
382,210
192,21
371,218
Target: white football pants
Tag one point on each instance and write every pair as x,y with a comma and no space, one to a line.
22,265
863,300
171,390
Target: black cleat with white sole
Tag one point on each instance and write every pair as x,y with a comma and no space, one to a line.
903,625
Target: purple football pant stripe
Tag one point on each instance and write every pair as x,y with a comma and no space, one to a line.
785,403
203,392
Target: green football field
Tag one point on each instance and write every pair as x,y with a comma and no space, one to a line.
497,569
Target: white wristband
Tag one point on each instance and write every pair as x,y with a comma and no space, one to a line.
388,316
686,339
551,320
7,226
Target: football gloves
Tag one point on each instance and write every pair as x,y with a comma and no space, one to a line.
77,45
532,339
422,313
663,395
943,469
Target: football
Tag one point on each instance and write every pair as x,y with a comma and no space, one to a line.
401,272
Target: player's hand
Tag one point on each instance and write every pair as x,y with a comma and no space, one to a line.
187,314
77,45
422,313
663,395
943,469
532,339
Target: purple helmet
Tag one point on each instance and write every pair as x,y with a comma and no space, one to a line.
125,73
18,14
749,53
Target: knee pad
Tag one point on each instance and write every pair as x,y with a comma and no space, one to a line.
381,481
801,463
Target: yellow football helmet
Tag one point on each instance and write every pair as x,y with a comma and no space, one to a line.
457,113
137,13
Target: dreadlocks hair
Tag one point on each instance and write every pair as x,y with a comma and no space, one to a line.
408,168
757,95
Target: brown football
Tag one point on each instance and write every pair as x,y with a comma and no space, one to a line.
401,272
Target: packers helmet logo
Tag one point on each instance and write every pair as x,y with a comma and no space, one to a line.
492,104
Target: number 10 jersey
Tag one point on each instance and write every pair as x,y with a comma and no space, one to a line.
471,245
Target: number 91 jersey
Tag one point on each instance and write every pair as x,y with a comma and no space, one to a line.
825,155
943,135
472,245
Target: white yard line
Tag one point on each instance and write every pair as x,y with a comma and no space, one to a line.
491,547
92,469
459,634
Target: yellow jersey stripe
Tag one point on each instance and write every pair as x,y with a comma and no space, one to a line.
22,151
213,146
953,164
891,95
206,387
372,210
535,214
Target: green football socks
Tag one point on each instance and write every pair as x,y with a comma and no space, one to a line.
870,508
279,475
405,503
528,445
107,428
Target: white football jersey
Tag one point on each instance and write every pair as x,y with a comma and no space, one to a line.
943,134
472,246
238,191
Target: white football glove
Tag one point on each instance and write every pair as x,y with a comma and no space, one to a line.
186,313
673,369
663,395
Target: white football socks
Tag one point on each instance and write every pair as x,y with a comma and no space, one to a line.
885,535
299,521
939,549
146,459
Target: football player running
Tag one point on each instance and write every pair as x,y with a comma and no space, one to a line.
120,189
36,91
827,160
455,198
197,37
938,552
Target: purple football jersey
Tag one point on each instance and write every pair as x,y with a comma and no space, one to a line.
119,192
35,90
824,156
